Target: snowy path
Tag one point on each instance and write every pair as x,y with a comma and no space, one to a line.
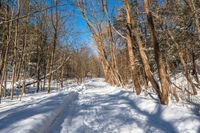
101,108
95,107
34,113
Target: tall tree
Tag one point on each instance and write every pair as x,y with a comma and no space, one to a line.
143,55
132,59
55,36
158,57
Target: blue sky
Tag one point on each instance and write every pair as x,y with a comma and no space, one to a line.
79,24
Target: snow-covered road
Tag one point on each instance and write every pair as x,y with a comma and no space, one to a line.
101,108
96,107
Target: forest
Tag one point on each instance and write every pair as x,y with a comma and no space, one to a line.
150,46
143,41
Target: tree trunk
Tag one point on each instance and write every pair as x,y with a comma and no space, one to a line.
194,68
5,69
180,54
15,51
110,74
196,18
38,70
143,56
23,63
38,64
5,62
197,25
113,55
24,56
53,47
158,57
62,75
132,62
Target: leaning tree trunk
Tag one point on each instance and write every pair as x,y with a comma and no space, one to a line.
196,18
113,75
143,55
185,68
194,66
132,61
118,79
158,57
197,26
110,74
62,76
180,55
113,55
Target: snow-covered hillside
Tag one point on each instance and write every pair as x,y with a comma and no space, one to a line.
96,107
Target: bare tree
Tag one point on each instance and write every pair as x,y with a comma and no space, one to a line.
55,27
158,57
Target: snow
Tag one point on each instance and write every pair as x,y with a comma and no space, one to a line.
95,106
34,113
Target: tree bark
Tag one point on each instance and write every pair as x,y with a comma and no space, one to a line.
110,74
196,18
5,61
185,68
15,51
158,57
143,56
53,47
132,61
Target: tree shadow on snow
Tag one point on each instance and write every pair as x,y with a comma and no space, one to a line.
113,113
196,110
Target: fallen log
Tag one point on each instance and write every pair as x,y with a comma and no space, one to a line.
43,77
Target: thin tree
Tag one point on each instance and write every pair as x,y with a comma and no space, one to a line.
55,27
